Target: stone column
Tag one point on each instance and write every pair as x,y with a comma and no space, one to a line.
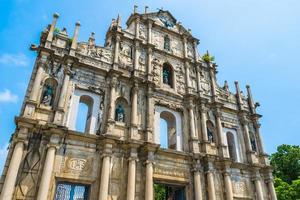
38,78
213,81
58,118
75,37
136,55
258,189
62,98
137,26
105,172
131,175
149,177
228,186
134,114
203,123
150,31
134,104
271,188
111,114
222,145
192,121
211,183
197,181
149,65
12,172
246,133
44,186
51,31
117,47
199,81
150,115
259,138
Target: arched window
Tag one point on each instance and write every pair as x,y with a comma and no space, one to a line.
84,114
253,141
167,130
48,93
210,131
167,74
121,111
231,146
167,45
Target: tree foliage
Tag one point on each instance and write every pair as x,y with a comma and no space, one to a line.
286,163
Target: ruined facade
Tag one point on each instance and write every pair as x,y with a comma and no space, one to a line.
153,120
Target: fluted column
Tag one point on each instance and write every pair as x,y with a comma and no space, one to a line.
62,98
12,172
213,81
258,189
149,66
131,175
228,186
150,115
134,104
211,184
51,31
246,133
203,123
149,178
44,186
271,189
199,81
38,78
111,114
117,46
192,122
197,181
105,172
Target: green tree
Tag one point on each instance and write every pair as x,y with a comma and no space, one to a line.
286,162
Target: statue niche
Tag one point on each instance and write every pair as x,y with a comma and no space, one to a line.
167,74
48,93
121,111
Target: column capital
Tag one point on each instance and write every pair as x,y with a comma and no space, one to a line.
197,166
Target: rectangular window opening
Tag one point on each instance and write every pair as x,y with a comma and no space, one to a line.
168,192
71,191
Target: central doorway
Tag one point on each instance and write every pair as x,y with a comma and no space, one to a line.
168,192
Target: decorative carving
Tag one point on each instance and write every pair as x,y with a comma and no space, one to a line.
180,78
142,31
95,52
190,50
76,164
156,71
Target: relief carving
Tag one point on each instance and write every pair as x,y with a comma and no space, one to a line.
156,71
78,165
180,78
142,31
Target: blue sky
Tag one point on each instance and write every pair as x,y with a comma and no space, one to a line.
255,42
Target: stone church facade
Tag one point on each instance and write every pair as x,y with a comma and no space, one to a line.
153,120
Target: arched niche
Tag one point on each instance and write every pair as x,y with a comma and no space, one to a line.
232,149
253,141
92,102
49,92
168,75
211,132
122,113
172,133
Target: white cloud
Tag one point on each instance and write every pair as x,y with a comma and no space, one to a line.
3,154
14,59
7,96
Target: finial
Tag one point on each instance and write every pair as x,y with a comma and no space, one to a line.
92,39
56,15
77,23
146,9
238,94
135,8
250,99
119,21
75,37
190,30
226,86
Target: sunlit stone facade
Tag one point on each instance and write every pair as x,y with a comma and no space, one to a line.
146,74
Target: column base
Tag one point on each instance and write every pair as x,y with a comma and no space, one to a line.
264,159
253,158
209,148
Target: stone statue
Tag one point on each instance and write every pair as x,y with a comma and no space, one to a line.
120,114
48,95
167,43
210,135
253,144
